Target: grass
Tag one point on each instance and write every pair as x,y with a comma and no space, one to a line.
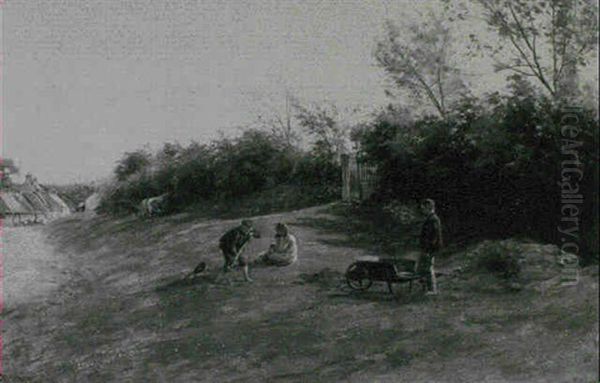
363,227
292,324
280,198
578,320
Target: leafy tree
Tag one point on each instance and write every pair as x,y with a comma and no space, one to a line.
250,163
492,167
131,163
548,40
418,58
169,152
281,125
323,124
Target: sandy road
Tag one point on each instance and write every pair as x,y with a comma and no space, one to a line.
108,307
33,284
32,271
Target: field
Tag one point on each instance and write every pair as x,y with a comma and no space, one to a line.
114,308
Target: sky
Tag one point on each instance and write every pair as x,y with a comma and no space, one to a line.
87,80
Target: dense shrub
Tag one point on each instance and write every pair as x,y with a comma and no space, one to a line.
493,167
227,172
251,163
501,260
317,173
132,163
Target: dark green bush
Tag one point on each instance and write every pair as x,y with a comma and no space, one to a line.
229,172
493,167
500,261
132,163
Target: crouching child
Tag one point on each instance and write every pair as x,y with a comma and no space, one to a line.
232,245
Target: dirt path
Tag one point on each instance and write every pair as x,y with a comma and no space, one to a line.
36,288
32,270
33,273
110,306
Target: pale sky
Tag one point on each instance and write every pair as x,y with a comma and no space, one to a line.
86,80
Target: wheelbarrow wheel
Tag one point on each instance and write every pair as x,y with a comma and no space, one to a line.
358,278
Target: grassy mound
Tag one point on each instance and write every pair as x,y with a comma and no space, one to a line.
514,265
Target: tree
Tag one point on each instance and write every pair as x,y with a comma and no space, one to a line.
395,117
548,39
131,163
323,124
7,168
280,125
418,58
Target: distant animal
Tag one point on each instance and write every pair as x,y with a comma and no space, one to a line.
153,206
197,270
80,207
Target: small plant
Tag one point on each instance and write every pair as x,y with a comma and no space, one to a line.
400,213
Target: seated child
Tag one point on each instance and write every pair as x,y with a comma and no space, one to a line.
283,252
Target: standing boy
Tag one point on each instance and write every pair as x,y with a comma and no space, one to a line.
430,242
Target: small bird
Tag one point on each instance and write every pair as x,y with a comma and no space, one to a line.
198,270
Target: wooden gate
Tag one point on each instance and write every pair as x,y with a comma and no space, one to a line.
358,179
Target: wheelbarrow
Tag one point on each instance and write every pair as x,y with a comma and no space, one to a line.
361,274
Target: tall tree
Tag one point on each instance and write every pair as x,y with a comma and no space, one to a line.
131,163
419,58
281,124
548,40
324,125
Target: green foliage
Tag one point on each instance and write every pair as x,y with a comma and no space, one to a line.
251,163
400,213
131,163
547,40
323,125
493,166
235,172
419,60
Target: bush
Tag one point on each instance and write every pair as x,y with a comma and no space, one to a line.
400,213
132,163
226,172
500,260
492,168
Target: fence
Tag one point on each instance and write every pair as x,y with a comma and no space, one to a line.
358,179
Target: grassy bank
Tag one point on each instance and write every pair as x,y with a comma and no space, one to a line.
126,315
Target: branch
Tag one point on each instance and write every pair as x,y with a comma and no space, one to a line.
431,95
553,35
531,47
510,32
515,68
439,74
563,54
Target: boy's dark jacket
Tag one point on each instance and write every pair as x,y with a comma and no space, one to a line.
235,238
431,234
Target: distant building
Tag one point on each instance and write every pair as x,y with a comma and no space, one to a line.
30,202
